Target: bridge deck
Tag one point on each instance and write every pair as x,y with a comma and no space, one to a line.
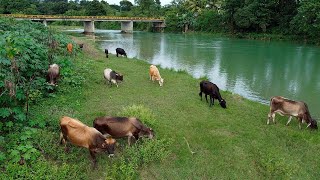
83,18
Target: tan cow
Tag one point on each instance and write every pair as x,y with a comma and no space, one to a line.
69,47
88,137
298,109
155,74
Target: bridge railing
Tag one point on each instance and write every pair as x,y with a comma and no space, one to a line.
24,16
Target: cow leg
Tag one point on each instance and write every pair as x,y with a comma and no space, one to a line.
210,100
62,140
117,55
129,140
289,120
206,98
300,122
200,94
271,115
93,157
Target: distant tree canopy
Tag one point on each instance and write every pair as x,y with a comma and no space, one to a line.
300,18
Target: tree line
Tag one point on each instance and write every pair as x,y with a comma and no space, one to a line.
297,18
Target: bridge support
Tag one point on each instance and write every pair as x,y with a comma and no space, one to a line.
88,27
127,26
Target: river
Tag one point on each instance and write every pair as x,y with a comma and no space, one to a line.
254,69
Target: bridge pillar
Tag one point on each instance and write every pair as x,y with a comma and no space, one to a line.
45,23
127,26
88,27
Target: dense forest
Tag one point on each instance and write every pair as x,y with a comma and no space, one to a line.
298,19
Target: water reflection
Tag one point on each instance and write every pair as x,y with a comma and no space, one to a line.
254,69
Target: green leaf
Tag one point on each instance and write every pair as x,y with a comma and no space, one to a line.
9,124
5,112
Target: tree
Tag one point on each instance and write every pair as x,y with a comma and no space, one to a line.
95,8
307,21
125,5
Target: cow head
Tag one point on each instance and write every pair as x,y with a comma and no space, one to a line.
119,77
109,145
223,103
161,82
313,124
148,132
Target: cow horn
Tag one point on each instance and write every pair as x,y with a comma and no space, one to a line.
308,125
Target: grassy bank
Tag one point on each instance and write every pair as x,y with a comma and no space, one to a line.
232,143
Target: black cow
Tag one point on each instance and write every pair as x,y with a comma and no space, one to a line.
121,52
81,46
106,52
208,88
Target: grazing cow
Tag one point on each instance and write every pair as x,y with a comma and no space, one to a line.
208,88
69,48
119,127
298,109
106,52
53,74
112,76
81,46
121,52
155,74
88,137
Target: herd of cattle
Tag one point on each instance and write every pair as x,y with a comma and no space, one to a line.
101,136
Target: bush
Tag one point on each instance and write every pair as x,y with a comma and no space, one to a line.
28,50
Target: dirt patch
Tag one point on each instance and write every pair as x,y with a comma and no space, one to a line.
89,48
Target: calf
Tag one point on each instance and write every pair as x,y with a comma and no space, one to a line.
53,74
106,52
112,76
119,127
88,137
298,109
155,74
208,88
69,47
81,46
121,52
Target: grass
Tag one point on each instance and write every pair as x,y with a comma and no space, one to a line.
232,143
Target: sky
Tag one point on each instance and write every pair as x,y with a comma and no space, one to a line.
117,2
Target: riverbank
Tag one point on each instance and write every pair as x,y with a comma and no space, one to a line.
232,143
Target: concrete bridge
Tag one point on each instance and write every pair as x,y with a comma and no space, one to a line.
88,21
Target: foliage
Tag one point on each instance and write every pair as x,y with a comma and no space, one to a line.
139,111
307,21
29,49
142,153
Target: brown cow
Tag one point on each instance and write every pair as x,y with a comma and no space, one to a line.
88,137
119,127
53,74
69,47
298,109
